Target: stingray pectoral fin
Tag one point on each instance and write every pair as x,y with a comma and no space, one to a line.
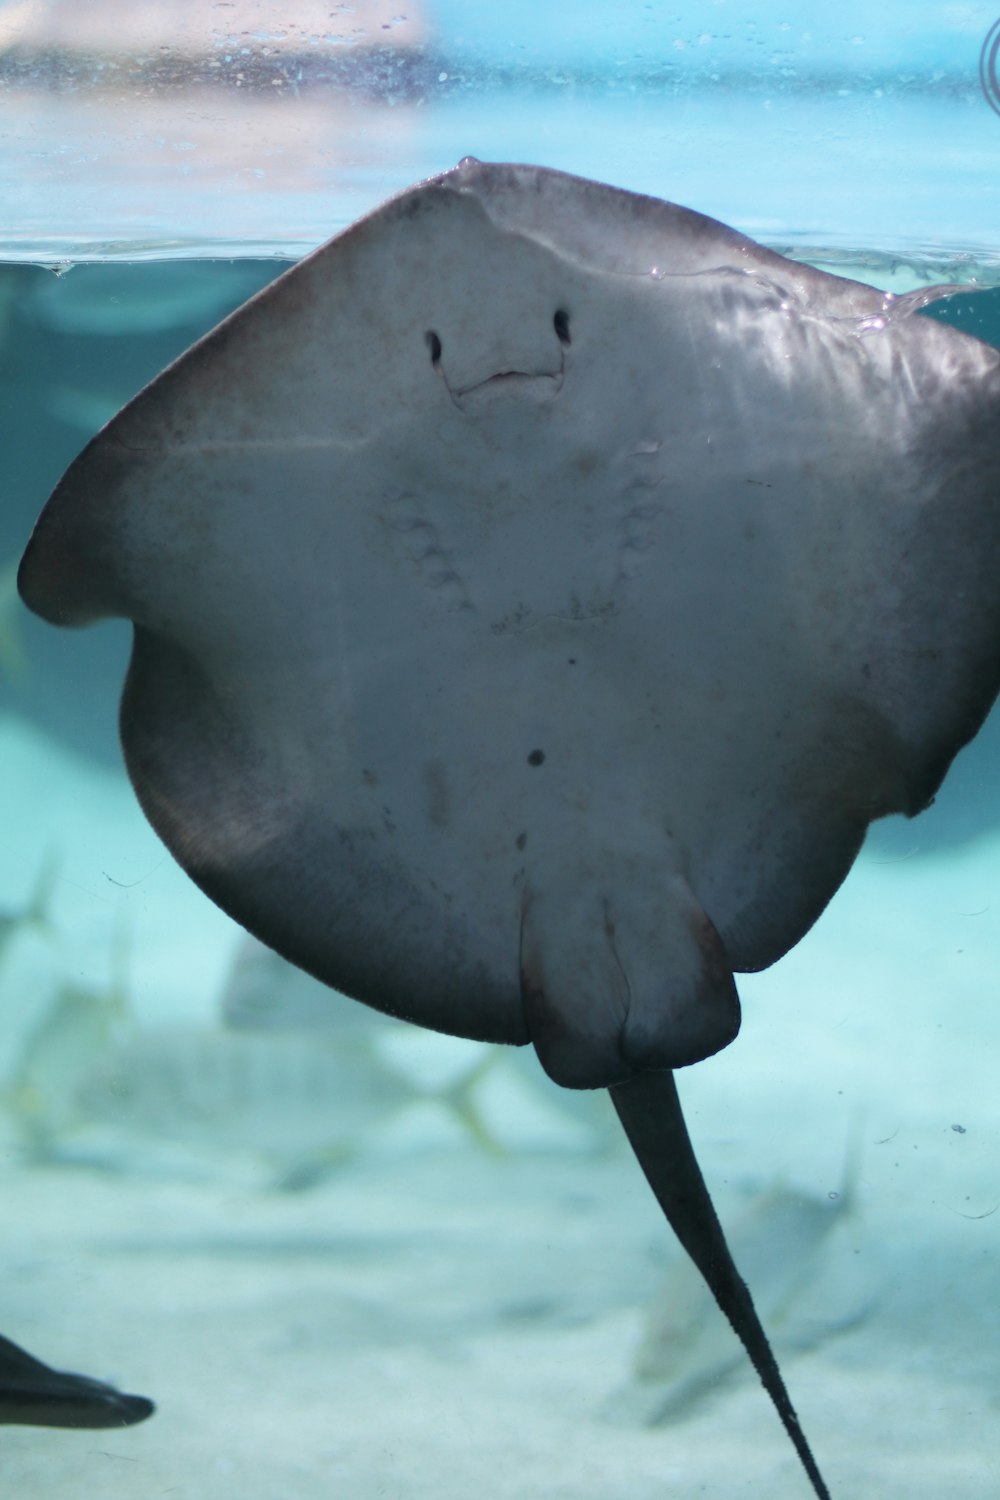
621,971
650,1110
32,1394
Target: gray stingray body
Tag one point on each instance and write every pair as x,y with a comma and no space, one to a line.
537,591
34,1395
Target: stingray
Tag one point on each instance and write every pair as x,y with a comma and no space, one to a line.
537,591
34,1395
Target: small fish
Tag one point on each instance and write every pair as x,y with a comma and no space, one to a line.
35,913
301,1100
808,1283
520,1108
60,1051
265,992
34,1395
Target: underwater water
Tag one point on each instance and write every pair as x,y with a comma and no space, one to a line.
345,1257
351,1259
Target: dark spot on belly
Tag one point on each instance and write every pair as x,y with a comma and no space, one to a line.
521,840
536,757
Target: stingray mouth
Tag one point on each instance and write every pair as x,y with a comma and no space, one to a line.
507,383
522,384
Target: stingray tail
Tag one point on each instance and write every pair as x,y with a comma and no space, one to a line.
650,1111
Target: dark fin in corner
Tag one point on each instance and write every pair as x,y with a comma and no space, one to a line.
34,1395
650,1111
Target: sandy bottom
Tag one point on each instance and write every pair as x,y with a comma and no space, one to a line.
432,1322
447,1328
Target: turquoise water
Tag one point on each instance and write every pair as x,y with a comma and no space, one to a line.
842,127
204,1215
347,1259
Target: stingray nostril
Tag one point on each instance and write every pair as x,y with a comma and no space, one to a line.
434,345
560,323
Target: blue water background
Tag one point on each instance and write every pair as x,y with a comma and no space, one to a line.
842,131
846,126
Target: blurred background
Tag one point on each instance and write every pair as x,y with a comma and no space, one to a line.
261,127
